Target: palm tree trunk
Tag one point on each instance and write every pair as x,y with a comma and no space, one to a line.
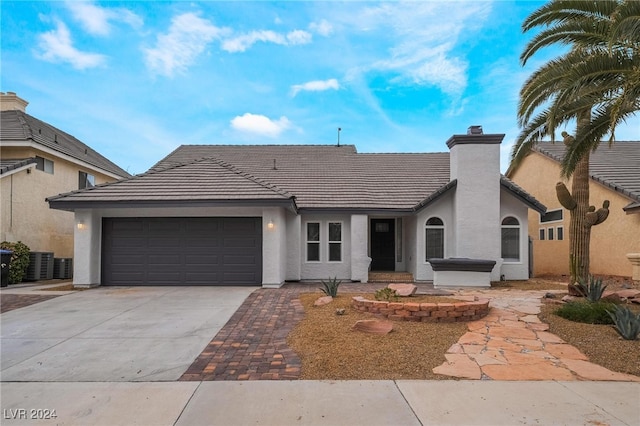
579,229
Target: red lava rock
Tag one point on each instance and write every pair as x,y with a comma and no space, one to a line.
325,300
373,326
403,289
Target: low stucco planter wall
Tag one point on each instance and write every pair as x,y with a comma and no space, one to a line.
424,312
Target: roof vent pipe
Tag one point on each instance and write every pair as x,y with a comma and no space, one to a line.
474,130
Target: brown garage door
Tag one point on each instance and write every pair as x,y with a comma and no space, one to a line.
181,251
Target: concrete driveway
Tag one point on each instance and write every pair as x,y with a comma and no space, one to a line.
114,334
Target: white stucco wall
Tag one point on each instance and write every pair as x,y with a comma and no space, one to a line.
87,247
443,209
511,206
274,247
294,244
360,260
477,202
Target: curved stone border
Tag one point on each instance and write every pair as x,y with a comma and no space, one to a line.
424,312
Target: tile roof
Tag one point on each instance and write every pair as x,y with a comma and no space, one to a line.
18,126
14,163
616,166
319,176
201,181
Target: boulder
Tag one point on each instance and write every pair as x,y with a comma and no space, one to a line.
403,289
373,326
628,294
325,300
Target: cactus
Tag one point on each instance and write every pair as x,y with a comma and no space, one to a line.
583,217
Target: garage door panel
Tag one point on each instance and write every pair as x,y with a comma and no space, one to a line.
182,251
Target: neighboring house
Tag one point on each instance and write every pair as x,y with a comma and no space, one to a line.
216,214
615,176
37,160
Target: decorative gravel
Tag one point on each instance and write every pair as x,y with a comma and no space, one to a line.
330,350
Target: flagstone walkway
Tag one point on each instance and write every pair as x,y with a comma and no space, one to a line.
511,343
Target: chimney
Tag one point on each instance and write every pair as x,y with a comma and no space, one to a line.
11,102
475,163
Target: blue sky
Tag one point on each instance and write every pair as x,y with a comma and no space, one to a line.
134,80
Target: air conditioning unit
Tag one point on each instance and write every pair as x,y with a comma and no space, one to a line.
40,266
62,268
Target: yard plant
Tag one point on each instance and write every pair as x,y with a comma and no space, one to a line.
626,322
587,312
330,287
593,289
19,260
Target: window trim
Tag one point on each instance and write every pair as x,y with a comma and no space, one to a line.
444,236
329,241
307,242
512,261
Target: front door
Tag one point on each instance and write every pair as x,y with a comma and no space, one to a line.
383,247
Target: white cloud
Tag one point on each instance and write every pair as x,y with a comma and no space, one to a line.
186,39
423,45
315,86
56,46
96,20
323,28
260,124
243,42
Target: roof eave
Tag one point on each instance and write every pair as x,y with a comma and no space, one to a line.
61,204
435,195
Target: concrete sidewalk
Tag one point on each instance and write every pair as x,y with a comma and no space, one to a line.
322,403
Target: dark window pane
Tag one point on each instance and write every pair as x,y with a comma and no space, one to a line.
550,233
542,234
434,244
551,216
435,221
335,252
313,232
335,232
510,221
560,233
313,252
511,244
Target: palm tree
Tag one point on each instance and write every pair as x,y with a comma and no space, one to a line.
594,85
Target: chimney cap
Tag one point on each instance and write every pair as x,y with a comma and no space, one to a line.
475,130
11,102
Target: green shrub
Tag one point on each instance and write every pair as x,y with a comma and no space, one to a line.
593,289
386,294
330,288
19,260
627,323
590,313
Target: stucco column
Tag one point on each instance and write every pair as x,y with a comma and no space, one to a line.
87,249
274,247
360,261
634,258
294,249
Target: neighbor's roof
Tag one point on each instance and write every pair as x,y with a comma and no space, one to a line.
318,176
18,126
616,166
15,163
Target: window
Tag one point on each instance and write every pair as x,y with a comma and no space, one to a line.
551,216
335,242
44,165
85,180
510,239
434,239
550,233
542,234
313,242
560,233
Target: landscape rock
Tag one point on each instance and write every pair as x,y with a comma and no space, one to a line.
628,294
635,300
325,300
569,298
403,289
611,296
373,326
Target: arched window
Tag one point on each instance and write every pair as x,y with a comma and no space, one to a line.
510,239
434,238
